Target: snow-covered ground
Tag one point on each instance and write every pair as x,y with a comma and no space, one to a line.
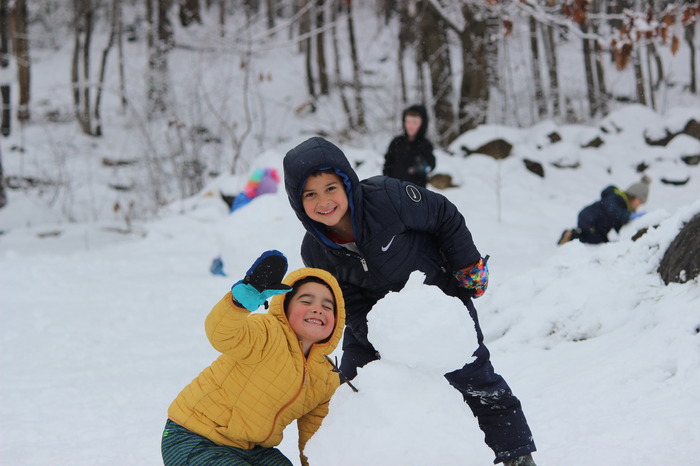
100,330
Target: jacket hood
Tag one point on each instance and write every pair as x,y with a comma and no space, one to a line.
310,156
277,305
423,112
611,192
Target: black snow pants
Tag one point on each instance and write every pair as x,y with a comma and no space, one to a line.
498,411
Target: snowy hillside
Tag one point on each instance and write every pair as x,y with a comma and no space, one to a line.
100,330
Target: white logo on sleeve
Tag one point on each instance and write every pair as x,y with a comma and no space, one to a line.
386,248
413,193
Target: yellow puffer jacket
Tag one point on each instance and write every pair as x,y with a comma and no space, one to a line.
261,382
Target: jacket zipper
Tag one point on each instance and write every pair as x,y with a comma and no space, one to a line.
364,264
355,256
289,403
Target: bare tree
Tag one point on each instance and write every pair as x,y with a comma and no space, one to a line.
341,83
160,42
601,88
80,69
305,48
20,46
550,51
540,102
189,12
113,34
356,73
435,52
222,18
3,194
321,48
689,21
271,7
406,38
474,89
6,115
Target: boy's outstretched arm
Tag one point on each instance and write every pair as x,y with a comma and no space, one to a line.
226,325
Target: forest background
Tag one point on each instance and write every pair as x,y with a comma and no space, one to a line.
195,83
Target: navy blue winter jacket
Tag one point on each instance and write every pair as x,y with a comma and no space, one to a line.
398,228
597,219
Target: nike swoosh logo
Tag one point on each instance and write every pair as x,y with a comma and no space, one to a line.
386,248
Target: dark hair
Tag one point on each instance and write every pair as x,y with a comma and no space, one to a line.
310,279
327,171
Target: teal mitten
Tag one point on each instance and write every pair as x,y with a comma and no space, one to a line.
262,281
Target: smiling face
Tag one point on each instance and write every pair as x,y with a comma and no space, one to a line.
325,201
412,124
311,313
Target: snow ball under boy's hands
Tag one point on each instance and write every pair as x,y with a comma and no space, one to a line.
421,327
262,281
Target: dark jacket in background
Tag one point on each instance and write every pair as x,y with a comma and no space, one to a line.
612,211
411,160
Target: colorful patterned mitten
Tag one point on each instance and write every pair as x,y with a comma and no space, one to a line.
474,277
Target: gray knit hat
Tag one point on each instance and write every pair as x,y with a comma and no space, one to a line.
640,189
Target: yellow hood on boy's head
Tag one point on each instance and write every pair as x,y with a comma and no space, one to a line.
277,303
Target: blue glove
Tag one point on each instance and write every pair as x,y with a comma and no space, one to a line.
637,215
262,281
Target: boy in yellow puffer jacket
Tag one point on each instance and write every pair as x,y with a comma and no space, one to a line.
272,370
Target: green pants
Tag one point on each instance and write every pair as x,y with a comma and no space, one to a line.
180,447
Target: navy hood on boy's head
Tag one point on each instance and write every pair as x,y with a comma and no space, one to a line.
310,156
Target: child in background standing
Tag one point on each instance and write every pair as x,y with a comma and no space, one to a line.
371,235
272,370
410,155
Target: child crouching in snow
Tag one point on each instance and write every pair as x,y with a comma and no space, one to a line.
272,370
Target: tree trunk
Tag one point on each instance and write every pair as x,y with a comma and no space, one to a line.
690,39
6,113
20,45
189,12
80,69
405,38
602,91
436,53
160,43
116,13
550,51
639,77
120,51
590,76
3,194
222,18
540,102
340,82
321,48
305,48
650,87
356,73
271,13
474,89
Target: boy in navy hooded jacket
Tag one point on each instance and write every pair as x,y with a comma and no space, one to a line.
371,235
